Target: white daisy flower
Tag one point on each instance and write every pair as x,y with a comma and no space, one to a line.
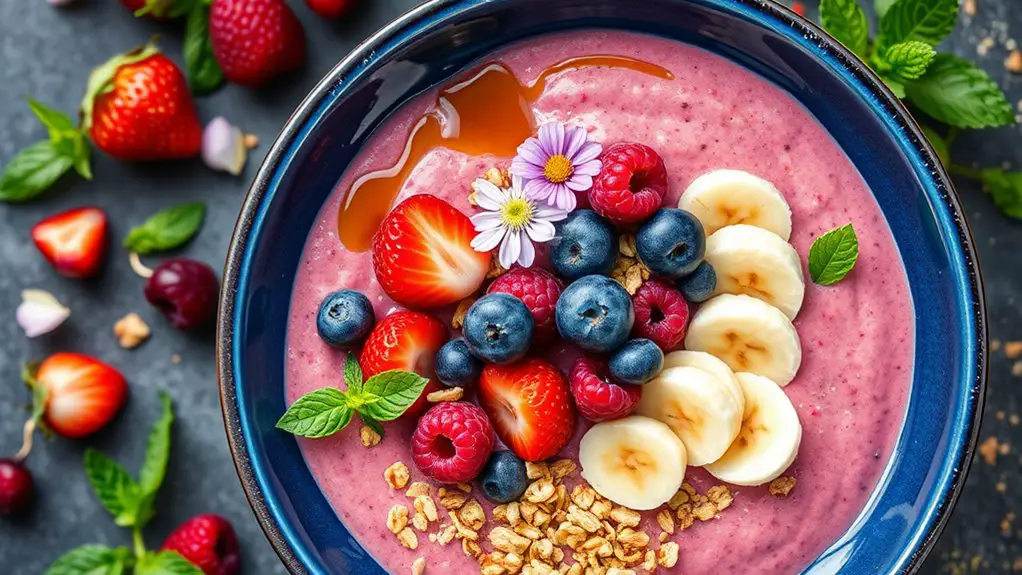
512,221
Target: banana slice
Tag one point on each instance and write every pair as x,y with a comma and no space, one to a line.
770,436
696,405
708,363
636,462
727,197
748,335
752,261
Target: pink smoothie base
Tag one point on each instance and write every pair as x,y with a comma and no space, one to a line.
857,336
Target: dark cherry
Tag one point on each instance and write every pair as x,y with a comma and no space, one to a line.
16,490
185,291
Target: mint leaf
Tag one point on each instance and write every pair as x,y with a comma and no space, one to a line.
66,138
58,123
116,490
371,424
927,21
91,560
390,393
908,60
833,255
154,466
956,92
846,21
1006,189
167,229
32,171
166,563
317,414
204,74
353,377
939,145
882,6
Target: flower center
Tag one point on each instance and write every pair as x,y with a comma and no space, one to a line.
516,213
558,169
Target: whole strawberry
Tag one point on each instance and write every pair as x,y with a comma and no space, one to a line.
255,40
209,542
138,108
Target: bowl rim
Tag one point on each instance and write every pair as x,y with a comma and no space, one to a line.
364,51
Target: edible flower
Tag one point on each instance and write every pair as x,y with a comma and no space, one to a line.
557,163
40,312
512,221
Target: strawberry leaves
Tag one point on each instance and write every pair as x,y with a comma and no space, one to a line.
383,397
204,74
36,168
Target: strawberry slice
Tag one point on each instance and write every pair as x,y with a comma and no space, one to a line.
82,394
530,406
423,256
405,340
74,241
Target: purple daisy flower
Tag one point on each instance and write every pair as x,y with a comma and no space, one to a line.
556,164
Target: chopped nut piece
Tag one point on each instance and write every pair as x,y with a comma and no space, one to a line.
424,505
419,566
680,497
131,331
397,519
1014,62
562,468
250,141
704,511
471,548
663,536
397,475
668,554
649,562
626,245
685,517
626,517
450,394
633,279
508,541
536,470
782,486
720,496
369,436
419,522
472,514
464,487
1013,349
498,177
416,489
458,319
666,521
408,538
969,6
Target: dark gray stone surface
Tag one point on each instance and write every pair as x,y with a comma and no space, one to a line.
47,53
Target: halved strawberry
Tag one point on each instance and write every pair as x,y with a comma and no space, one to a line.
423,256
74,241
405,340
530,406
82,394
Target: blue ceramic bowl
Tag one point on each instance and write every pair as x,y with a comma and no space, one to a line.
920,485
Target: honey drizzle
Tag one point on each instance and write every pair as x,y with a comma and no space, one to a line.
463,120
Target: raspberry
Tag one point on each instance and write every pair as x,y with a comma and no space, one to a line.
209,542
661,314
452,442
539,290
598,398
631,185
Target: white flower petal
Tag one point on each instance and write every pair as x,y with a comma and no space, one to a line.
549,213
40,313
528,254
488,196
510,249
486,221
540,231
486,241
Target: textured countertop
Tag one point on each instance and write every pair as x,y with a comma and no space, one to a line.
47,53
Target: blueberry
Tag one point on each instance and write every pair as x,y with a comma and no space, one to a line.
639,361
498,328
671,243
699,285
585,244
456,366
503,479
345,318
595,313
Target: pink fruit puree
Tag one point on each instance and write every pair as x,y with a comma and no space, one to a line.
857,336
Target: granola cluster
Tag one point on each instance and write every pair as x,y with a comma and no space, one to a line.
629,271
551,529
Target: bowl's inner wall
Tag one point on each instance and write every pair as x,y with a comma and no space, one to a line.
315,155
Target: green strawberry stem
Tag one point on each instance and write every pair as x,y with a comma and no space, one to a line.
138,542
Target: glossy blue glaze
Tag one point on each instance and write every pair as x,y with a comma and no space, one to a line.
427,46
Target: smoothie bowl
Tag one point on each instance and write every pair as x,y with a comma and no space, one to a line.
601,287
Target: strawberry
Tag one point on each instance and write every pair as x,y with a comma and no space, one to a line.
331,8
209,542
81,394
423,256
255,40
530,406
407,340
74,241
138,108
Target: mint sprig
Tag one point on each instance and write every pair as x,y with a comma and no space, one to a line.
132,504
956,92
383,397
846,21
36,168
928,21
167,229
833,255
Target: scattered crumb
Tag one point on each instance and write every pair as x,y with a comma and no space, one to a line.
1013,349
369,436
250,141
175,359
1013,419
451,394
969,6
397,475
985,45
131,331
995,345
1001,487
1000,416
782,486
458,319
988,450
1016,369
1013,63
419,566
